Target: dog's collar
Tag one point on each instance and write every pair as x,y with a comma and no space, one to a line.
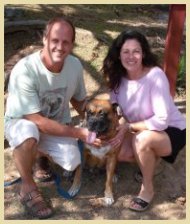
106,137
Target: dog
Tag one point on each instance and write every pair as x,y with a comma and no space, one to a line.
101,117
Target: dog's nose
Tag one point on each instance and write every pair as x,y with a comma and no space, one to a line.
98,126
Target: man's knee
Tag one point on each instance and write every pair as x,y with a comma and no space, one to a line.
28,143
22,132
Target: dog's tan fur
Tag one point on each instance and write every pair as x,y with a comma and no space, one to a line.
108,160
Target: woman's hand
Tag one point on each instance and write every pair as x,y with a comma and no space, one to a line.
118,139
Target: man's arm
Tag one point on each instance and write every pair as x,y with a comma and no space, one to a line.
51,127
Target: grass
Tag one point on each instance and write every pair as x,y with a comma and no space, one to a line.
97,26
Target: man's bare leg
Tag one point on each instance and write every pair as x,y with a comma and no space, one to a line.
24,157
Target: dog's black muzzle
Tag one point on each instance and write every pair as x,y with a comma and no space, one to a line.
98,125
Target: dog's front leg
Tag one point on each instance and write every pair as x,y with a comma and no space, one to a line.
76,182
110,169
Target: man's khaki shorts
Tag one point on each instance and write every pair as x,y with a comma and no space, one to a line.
63,150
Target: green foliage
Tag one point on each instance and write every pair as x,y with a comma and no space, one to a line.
181,80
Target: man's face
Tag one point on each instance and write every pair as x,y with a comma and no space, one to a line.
58,44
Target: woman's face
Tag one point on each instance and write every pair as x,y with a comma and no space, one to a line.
131,56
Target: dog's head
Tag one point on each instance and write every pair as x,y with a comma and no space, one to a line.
101,116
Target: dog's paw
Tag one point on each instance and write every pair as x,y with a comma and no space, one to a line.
74,190
109,200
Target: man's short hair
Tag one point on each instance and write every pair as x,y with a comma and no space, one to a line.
51,22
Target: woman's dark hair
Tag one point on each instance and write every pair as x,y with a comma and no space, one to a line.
55,20
112,68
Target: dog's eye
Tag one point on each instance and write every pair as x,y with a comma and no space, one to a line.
102,113
89,112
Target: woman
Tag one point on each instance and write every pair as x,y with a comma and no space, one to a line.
153,127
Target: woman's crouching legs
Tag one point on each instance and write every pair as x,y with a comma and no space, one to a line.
148,147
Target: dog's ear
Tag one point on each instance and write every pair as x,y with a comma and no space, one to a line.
117,109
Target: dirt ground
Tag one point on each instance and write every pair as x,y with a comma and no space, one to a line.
169,202
170,182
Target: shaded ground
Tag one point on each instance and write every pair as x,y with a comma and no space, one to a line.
96,27
169,202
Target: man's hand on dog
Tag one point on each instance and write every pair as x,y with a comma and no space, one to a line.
89,138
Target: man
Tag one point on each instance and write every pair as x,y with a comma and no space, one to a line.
37,113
